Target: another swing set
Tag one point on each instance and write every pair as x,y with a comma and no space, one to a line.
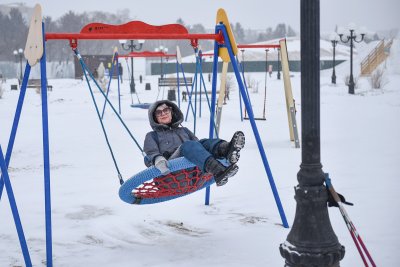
145,54
149,54
148,186
290,103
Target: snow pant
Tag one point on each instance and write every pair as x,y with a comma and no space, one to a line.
198,152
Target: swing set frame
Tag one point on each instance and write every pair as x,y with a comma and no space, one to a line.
290,104
224,47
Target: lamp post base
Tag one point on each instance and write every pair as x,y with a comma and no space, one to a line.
296,258
133,88
333,77
311,241
351,88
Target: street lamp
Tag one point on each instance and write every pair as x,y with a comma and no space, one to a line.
163,50
19,53
131,46
351,38
334,41
311,241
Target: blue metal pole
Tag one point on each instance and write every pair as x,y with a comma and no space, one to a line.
4,172
190,104
14,210
254,126
46,156
189,95
177,78
213,103
16,121
204,86
186,87
198,66
109,83
119,90
195,100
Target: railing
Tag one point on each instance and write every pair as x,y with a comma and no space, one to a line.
375,58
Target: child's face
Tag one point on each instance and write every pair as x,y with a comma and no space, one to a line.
163,115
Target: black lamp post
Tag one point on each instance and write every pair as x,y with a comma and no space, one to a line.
164,50
278,75
334,44
351,38
18,55
311,242
131,46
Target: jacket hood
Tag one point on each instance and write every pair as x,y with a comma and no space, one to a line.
177,115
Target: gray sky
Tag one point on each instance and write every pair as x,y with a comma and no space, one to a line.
375,15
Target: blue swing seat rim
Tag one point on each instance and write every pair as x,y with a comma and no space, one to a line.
125,191
141,105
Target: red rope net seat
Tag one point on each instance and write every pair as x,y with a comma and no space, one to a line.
149,186
173,184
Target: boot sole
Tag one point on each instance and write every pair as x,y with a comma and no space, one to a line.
230,171
238,141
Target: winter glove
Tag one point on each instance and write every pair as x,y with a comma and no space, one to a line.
333,203
162,165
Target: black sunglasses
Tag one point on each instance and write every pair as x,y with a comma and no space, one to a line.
163,111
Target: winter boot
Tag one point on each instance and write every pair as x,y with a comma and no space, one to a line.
219,171
231,150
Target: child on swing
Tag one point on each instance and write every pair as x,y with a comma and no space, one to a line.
170,140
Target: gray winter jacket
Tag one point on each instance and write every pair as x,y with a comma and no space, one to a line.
168,137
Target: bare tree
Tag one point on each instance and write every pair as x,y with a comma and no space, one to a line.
347,80
377,79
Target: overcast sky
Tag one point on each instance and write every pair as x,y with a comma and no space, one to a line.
375,15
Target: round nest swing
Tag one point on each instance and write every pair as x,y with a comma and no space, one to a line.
149,186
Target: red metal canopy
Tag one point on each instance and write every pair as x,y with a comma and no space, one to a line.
132,30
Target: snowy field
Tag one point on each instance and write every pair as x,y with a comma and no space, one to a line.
92,227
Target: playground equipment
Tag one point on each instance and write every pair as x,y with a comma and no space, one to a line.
224,47
290,104
145,54
265,85
198,88
114,64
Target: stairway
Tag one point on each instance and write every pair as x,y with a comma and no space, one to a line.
375,57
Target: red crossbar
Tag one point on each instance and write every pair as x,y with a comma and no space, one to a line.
147,54
257,46
207,54
131,36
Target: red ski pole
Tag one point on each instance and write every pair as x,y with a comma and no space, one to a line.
354,239
352,229
356,234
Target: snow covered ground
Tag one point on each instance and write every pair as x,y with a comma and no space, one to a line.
93,227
